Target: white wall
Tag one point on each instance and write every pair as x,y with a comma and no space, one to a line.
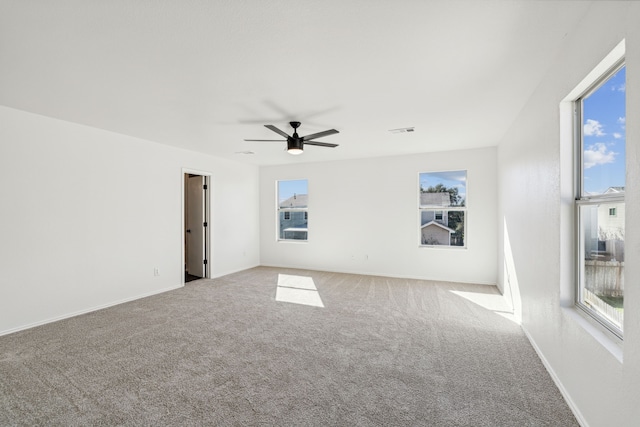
86,215
363,217
535,214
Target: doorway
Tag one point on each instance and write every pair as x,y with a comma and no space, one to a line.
196,223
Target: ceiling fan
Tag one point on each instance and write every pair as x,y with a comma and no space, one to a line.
295,143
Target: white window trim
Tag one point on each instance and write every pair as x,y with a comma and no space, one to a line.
601,73
279,210
443,210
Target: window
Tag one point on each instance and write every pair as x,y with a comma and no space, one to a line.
292,210
600,198
442,207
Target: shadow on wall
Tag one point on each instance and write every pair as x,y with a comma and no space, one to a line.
511,287
493,302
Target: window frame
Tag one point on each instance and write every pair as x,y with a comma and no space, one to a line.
583,200
290,211
442,209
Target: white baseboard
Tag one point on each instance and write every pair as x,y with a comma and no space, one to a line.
556,380
88,310
217,275
364,273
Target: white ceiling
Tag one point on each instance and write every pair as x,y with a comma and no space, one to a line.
206,74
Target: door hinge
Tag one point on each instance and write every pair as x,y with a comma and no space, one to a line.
205,262
205,224
205,186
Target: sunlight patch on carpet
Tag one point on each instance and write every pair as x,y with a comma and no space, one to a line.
298,290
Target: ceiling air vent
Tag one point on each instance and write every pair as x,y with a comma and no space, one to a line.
402,130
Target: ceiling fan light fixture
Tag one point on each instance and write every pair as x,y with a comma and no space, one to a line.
294,146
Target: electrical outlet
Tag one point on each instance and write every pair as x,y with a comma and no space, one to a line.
156,271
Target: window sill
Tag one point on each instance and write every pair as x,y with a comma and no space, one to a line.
447,247
604,337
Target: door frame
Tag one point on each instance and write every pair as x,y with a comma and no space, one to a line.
207,219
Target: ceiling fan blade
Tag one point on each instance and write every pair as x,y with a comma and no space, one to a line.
319,134
321,144
276,130
265,140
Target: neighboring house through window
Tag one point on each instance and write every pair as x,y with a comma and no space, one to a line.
293,215
442,207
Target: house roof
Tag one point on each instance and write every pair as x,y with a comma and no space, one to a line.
613,190
435,199
295,201
432,223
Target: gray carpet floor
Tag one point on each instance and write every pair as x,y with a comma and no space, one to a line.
226,352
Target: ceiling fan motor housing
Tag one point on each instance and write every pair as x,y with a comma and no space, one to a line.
294,143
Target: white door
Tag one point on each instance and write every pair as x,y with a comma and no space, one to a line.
194,224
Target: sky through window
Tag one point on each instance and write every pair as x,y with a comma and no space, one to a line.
604,132
287,189
449,179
